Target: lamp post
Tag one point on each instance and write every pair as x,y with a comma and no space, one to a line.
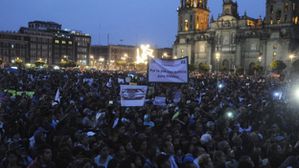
101,61
259,59
165,55
217,56
92,61
291,56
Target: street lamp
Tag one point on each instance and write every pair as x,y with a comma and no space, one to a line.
259,59
291,56
165,55
101,59
217,56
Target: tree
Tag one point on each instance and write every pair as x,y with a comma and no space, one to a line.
66,63
39,63
191,67
278,66
258,68
203,67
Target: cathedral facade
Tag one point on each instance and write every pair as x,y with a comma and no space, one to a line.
232,41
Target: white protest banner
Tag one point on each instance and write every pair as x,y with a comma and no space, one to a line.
56,98
120,80
132,95
168,71
177,96
89,81
128,79
160,101
109,83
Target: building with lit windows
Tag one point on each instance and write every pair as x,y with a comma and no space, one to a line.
115,56
234,41
45,41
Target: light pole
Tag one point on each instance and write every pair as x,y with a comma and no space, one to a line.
101,61
291,56
217,56
165,55
259,59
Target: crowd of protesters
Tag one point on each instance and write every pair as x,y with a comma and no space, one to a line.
214,121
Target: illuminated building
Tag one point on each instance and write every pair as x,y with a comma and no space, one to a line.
241,41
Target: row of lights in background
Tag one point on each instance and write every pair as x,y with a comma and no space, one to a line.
142,54
218,57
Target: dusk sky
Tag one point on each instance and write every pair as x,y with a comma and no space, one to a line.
132,21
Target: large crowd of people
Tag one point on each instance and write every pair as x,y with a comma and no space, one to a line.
214,121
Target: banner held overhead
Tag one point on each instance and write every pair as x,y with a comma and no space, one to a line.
168,71
132,95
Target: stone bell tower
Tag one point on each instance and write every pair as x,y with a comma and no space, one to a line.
282,12
193,16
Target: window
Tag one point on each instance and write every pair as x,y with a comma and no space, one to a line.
202,48
253,46
296,21
63,42
250,23
56,41
186,26
286,7
294,6
278,15
70,42
271,9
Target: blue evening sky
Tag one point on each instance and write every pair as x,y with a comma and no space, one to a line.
126,21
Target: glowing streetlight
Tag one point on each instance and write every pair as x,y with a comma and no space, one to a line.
217,56
259,59
230,115
101,59
296,93
146,52
291,56
165,55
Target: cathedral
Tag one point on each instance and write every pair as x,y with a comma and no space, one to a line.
234,41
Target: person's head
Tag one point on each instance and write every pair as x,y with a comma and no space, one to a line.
219,158
47,154
138,161
163,161
245,162
121,151
188,161
205,161
129,147
12,157
168,148
104,151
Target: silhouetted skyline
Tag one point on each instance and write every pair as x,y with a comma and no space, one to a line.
127,22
